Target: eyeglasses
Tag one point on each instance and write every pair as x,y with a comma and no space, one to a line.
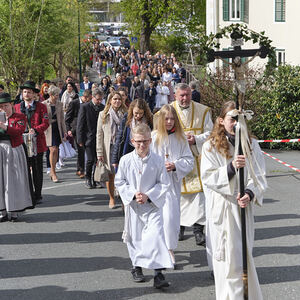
142,142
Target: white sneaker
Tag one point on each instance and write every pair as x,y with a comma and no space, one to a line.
61,162
48,170
58,166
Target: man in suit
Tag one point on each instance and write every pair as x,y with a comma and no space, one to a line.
86,133
38,122
195,94
71,124
86,84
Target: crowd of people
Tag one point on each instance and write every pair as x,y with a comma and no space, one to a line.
148,137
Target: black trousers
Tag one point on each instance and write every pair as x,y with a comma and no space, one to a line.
80,158
36,164
91,161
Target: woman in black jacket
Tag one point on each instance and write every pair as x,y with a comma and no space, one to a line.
138,112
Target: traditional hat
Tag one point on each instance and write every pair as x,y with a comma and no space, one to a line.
29,85
5,97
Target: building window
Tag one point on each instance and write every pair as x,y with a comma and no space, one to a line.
236,10
279,10
280,56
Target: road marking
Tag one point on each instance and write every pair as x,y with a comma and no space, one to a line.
62,185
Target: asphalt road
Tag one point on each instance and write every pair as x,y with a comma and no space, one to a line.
70,246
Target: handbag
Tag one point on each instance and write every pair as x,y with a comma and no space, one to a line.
66,150
30,142
101,172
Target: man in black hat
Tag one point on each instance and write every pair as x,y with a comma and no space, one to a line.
37,123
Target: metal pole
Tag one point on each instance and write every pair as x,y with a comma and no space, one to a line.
243,218
79,47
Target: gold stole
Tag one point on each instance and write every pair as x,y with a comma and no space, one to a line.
191,183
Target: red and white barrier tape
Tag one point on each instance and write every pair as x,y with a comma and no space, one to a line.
280,141
281,162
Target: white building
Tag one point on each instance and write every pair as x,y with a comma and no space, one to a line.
277,18
103,14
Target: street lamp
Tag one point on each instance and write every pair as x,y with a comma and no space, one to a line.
79,46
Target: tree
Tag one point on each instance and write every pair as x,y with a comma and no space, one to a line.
33,33
146,16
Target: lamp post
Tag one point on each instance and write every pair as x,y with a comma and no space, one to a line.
79,46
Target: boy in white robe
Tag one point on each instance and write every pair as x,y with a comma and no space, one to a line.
142,183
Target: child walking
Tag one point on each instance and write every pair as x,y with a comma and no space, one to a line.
142,183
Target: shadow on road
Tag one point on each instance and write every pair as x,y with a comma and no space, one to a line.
275,232
191,280
63,237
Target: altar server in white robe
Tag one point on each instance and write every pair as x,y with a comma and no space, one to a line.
170,143
195,119
142,182
218,172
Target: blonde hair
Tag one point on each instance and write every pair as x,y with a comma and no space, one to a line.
160,125
123,107
142,129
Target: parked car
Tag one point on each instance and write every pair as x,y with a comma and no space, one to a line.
117,31
118,43
108,30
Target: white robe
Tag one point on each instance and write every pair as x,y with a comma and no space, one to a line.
146,242
180,154
224,223
193,205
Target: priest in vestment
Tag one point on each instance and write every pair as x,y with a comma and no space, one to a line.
195,119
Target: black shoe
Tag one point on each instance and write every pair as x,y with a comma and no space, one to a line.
160,281
200,238
88,184
181,233
14,219
38,201
4,219
137,274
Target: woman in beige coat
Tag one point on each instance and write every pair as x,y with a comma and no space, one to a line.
108,124
56,131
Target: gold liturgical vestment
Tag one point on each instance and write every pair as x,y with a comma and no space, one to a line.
193,122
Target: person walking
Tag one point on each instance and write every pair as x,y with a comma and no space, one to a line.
109,122
219,166
170,143
196,122
37,122
15,193
56,132
86,133
142,183
138,112
71,118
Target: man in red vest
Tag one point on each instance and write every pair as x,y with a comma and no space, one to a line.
37,123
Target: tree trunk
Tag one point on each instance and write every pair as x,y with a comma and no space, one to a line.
60,64
146,32
145,40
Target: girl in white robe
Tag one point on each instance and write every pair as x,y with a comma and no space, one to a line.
142,183
170,143
218,174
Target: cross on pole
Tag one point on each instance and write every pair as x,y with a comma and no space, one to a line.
240,88
237,54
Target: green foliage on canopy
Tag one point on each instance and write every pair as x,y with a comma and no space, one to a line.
33,33
277,105
183,17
